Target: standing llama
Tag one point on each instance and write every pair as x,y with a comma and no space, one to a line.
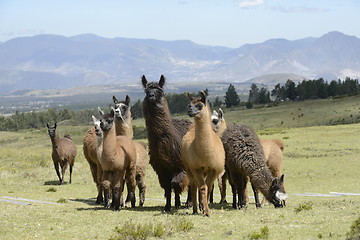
245,159
272,155
123,126
63,152
164,136
117,160
92,148
202,152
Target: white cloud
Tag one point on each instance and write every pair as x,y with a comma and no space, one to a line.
299,9
251,3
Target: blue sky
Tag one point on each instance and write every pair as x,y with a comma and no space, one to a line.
229,23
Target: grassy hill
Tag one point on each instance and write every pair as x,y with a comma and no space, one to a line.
321,167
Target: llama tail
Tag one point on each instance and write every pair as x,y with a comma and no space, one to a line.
67,136
180,182
280,144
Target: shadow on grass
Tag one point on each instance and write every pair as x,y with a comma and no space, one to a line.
54,183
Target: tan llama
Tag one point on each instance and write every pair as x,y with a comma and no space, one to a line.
92,148
123,126
117,160
202,152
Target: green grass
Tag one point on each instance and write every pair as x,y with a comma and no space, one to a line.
318,159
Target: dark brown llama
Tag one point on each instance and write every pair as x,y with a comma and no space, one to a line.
63,152
164,135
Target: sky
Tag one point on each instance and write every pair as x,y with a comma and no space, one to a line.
228,23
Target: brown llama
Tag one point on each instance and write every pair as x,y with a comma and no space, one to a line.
117,160
164,136
123,126
245,160
92,148
202,152
63,152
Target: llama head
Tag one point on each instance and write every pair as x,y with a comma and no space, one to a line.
122,109
107,120
98,130
153,90
51,130
198,106
217,121
277,191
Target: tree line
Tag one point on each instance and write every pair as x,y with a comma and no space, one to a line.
178,103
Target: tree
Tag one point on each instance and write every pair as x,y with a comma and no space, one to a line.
136,110
231,97
254,94
217,102
264,96
290,90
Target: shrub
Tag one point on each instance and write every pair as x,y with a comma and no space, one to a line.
263,234
354,230
51,190
303,206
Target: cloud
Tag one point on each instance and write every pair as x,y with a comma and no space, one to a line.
250,3
299,9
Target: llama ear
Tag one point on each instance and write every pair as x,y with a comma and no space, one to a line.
93,118
127,100
203,97
100,111
115,100
144,81
281,180
112,112
221,113
55,125
215,114
189,96
162,81
47,125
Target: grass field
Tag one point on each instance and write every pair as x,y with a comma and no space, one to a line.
321,162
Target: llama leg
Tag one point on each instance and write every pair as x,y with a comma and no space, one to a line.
256,195
242,192
200,180
106,187
211,199
99,173
71,169
142,189
118,180
130,178
56,165
222,188
233,189
193,193
63,170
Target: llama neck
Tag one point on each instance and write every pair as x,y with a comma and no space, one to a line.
99,146
109,144
262,179
203,129
124,127
158,118
221,129
55,140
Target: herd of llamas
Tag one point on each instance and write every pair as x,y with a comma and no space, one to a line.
185,155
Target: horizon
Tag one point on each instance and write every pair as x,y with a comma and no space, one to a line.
230,23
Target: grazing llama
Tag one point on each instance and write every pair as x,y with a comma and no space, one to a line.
92,147
123,126
245,159
117,160
164,136
273,152
63,152
202,152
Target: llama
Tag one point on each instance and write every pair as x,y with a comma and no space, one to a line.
202,152
117,160
245,159
164,136
92,148
63,152
123,126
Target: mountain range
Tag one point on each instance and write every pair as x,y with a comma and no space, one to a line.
58,62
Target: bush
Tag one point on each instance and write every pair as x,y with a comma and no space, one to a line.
263,234
354,230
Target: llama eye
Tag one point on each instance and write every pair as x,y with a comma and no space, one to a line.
215,121
199,106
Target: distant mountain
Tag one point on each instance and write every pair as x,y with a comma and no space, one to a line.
51,61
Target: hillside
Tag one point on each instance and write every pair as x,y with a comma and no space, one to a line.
58,62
